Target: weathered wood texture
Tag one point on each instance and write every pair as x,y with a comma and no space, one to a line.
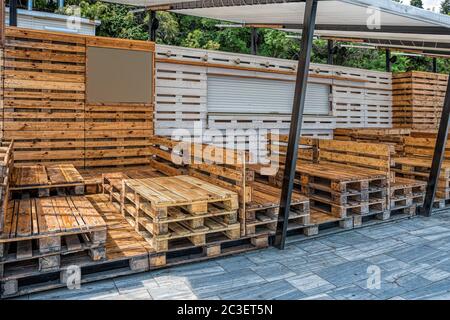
6,168
418,98
2,22
45,108
394,137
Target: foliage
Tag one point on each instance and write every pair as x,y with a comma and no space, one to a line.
182,30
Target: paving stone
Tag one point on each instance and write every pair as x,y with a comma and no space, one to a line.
314,246
417,254
432,291
273,271
222,283
345,273
266,291
235,263
172,292
352,292
86,291
310,284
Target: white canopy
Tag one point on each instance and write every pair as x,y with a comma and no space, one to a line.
378,22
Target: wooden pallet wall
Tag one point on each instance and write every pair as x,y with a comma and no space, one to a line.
45,96
418,98
358,98
45,108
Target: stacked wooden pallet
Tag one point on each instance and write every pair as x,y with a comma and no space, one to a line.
394,137
44,96
178,212
6,167
261,214
418,98
43,181
47,111
416,164
344,192
39,232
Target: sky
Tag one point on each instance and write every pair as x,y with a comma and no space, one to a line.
428,4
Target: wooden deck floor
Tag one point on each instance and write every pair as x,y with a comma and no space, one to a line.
412,256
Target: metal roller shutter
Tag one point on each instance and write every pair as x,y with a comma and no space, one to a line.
251,95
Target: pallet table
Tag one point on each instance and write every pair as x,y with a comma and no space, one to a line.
179,208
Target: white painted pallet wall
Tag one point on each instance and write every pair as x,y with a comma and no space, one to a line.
358,98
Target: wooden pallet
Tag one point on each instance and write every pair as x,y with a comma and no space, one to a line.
359,154
405,193
44,96
394,137
418,98
419,169
261,215
342,190
43,180
46,109
169,208
126,253
6,168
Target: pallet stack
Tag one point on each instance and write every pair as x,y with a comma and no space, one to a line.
416,164
394,137
46,106
41,234
180,212
6,168
418,98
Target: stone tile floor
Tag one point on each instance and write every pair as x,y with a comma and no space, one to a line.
411,257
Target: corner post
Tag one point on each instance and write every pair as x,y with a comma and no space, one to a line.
254,41
13,13
388,61
2,22
438,156
153,24
330,57
309,23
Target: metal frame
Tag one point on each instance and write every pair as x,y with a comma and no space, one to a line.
2,22
296,122
434,65
438,156
254,41
13,13
330,56
151,28
388,61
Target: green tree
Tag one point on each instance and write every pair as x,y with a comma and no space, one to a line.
445,7
417,3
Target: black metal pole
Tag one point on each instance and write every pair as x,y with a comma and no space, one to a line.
2,22
438,156
254,40
330,59
296,122
388,61
153,24
13,13
435,66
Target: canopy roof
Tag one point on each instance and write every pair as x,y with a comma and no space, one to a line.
379,22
